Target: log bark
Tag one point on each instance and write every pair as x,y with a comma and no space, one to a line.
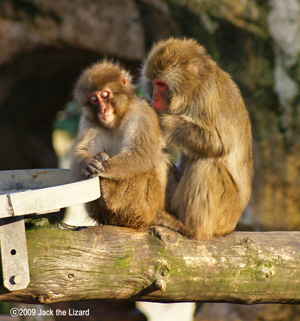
116,263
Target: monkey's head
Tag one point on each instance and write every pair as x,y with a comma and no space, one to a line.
104,91
175,68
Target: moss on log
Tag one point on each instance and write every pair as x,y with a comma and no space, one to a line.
116,263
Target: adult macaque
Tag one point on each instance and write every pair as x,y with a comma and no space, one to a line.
120,140
201,111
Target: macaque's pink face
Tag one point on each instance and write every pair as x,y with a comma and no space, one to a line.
102,101
160,96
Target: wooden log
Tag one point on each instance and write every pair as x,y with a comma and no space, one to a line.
116,263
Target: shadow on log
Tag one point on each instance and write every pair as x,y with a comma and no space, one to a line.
159,265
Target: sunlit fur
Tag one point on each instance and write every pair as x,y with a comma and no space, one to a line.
99,76
135,177
208,122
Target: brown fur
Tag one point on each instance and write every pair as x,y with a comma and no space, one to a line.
134,175
207,120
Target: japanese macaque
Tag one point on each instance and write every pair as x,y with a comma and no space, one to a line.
201,112
120,140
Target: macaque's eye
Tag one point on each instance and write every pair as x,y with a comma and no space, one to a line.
93,99
104,94
160,84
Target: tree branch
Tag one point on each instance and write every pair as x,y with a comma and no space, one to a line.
107,262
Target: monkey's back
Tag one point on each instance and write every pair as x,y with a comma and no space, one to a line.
235,129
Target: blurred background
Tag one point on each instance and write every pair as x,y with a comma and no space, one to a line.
45,44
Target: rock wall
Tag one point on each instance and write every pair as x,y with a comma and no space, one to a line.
44,45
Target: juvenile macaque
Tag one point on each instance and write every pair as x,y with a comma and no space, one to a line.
120,140
201,111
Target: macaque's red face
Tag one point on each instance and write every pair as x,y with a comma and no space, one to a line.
102,101
160,96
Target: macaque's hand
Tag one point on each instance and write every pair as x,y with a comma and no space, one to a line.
103,159
95,165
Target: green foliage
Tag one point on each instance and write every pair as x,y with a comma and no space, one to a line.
140,92
68,119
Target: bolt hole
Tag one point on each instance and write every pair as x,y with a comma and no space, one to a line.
13,252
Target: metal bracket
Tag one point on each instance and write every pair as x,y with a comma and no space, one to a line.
25,192
14,256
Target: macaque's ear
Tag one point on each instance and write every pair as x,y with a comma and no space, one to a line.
126,79
193,68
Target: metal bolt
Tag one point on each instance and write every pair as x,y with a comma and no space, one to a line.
17,279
